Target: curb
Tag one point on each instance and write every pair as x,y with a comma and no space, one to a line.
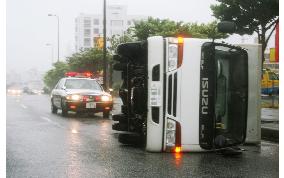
270,134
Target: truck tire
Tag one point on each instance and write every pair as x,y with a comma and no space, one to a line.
130,139
120,66
124,109
139,72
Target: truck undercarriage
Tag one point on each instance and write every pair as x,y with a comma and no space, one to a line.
132,62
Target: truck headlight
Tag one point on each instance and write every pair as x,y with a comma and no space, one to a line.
173,136
173,57
171,133
73,97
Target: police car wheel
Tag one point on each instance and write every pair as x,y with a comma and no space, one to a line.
106,114
64,112
91,114
79,113
63,108
53,109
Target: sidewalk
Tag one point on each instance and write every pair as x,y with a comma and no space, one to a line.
270,124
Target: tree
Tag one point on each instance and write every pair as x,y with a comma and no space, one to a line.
88,60
250,16
52,76
115,40
168,28
206,30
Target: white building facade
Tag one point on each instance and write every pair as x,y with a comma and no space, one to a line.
89,27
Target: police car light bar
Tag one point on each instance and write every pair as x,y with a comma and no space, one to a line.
77,74
71,74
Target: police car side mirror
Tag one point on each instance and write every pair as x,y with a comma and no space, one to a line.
226,27
63,88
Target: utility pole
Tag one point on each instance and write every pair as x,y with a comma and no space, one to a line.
104,51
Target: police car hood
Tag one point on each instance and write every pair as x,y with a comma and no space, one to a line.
85,92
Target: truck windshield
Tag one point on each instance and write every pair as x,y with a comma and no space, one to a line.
231,95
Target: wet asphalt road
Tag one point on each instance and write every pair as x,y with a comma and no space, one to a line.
41,144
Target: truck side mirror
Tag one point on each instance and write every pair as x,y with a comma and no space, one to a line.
226,27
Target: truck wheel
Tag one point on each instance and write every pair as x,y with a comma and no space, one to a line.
129,139
106,114
139,72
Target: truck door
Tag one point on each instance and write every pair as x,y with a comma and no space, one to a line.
224,121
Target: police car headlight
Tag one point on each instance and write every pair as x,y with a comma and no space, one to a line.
171,133
73,97
173,57
106,98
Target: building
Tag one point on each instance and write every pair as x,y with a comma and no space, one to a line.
89,27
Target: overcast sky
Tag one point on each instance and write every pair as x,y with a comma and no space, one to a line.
29,28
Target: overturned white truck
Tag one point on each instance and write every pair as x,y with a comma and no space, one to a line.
183,94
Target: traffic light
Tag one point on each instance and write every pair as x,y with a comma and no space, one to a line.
131,60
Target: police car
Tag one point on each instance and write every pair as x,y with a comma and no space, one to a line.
79,92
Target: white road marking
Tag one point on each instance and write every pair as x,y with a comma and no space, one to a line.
51,122
23,106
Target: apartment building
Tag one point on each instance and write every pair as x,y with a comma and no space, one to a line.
89,27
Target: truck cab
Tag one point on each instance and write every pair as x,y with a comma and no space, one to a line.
183,94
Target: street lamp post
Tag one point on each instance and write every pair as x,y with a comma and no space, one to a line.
57,34
104,50
51,45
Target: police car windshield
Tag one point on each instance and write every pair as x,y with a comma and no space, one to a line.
82,84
